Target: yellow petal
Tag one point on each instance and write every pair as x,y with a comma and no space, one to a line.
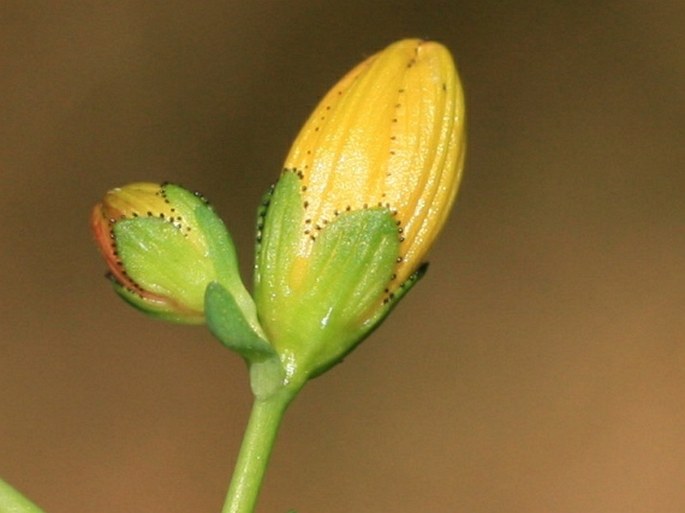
391,134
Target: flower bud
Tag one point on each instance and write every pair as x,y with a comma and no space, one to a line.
163,246
367,186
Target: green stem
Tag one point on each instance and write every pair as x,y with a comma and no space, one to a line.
255,450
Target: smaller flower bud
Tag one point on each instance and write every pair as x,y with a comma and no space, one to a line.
163,246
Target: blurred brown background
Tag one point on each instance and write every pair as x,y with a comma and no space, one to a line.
540,365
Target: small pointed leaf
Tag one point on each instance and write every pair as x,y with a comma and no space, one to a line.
227,322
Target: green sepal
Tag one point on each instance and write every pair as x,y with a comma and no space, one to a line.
154,309
351,265
11,501
352,262
379,318
395,297
159,258
315,309
220,248
279,222
261,218
227,322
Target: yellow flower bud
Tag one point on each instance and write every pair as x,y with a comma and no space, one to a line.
367,186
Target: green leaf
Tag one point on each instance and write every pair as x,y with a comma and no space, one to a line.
11,501
228,323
